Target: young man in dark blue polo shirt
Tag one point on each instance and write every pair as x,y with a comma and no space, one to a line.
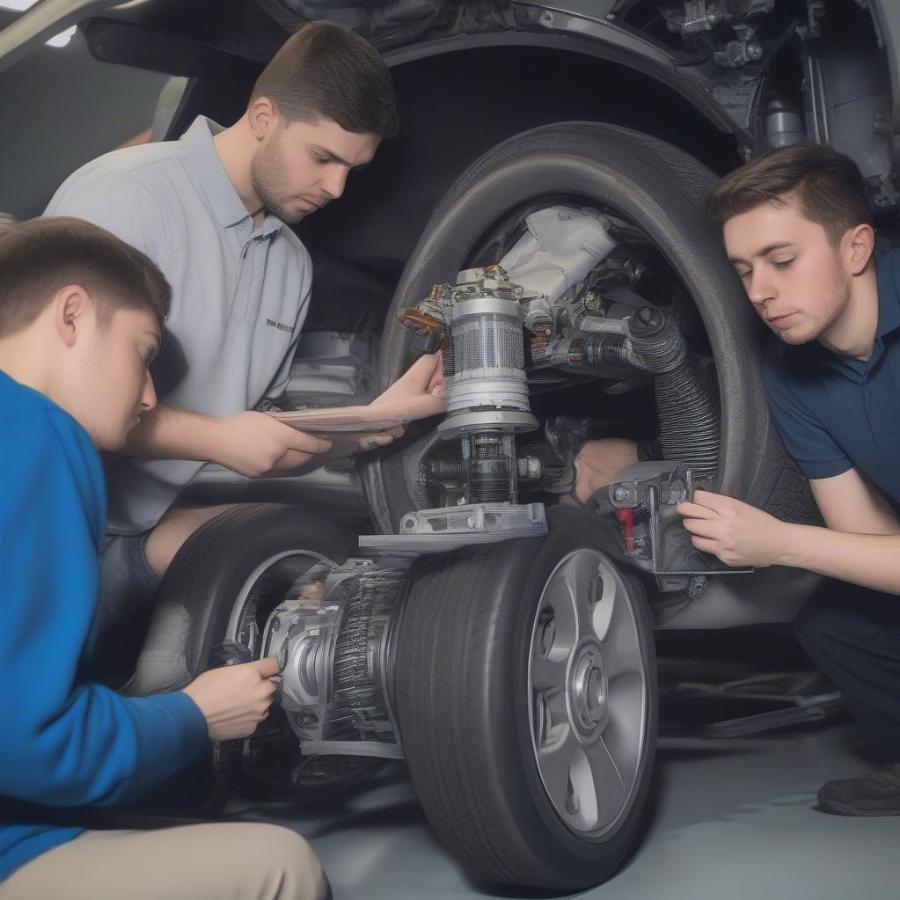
798,230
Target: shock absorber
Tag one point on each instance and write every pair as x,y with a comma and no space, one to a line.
488,387
487,395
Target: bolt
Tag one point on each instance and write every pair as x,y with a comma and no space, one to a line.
619,494
646,321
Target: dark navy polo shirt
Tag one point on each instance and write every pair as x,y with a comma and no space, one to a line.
836,413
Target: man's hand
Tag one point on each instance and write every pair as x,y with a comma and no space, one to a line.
252,443
418,393
380,438
235,699
599,462
737,533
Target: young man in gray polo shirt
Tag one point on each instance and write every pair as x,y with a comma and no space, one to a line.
212,210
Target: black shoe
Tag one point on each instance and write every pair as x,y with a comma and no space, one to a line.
877,794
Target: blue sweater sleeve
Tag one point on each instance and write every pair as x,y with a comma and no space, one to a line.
66,741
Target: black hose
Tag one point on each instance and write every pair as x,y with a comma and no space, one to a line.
686,403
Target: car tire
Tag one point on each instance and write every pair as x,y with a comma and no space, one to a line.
660,189
478,711
246,557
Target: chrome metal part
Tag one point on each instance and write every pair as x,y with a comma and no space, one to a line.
602,325
499,420
332,637
488,356
504,519
588,693
699,15
353,748
784,124
450,528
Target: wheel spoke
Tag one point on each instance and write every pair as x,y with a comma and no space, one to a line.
621,652
555,763
609,598
548,671
582,580
624,730
558,599
609,786
554,700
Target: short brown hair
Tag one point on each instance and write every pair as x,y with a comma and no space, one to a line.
41,256
328,71
827,186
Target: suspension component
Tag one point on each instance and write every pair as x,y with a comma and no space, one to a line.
488,387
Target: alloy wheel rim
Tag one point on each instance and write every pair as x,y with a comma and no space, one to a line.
588,693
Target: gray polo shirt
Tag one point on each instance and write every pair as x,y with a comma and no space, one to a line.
239,296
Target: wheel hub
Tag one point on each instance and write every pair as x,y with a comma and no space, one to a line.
588,690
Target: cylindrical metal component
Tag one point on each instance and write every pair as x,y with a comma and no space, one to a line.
602,350
784,124
489,356
491,476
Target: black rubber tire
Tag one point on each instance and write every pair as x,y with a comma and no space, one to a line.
659,188
461,695
196,596
195,602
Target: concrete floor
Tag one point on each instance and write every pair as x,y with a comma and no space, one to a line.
729,819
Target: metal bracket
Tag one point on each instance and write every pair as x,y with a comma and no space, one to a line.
644,498
450,528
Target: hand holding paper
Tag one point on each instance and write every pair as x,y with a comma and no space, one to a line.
418,393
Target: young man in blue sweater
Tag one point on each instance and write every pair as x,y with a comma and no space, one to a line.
80,321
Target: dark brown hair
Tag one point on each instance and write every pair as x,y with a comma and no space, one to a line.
41,256
328,71
827,186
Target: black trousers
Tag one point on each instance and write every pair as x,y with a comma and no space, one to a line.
127,600
853,636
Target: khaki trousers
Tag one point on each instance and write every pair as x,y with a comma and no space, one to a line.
219,861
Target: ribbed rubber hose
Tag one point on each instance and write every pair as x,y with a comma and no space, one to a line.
686,406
